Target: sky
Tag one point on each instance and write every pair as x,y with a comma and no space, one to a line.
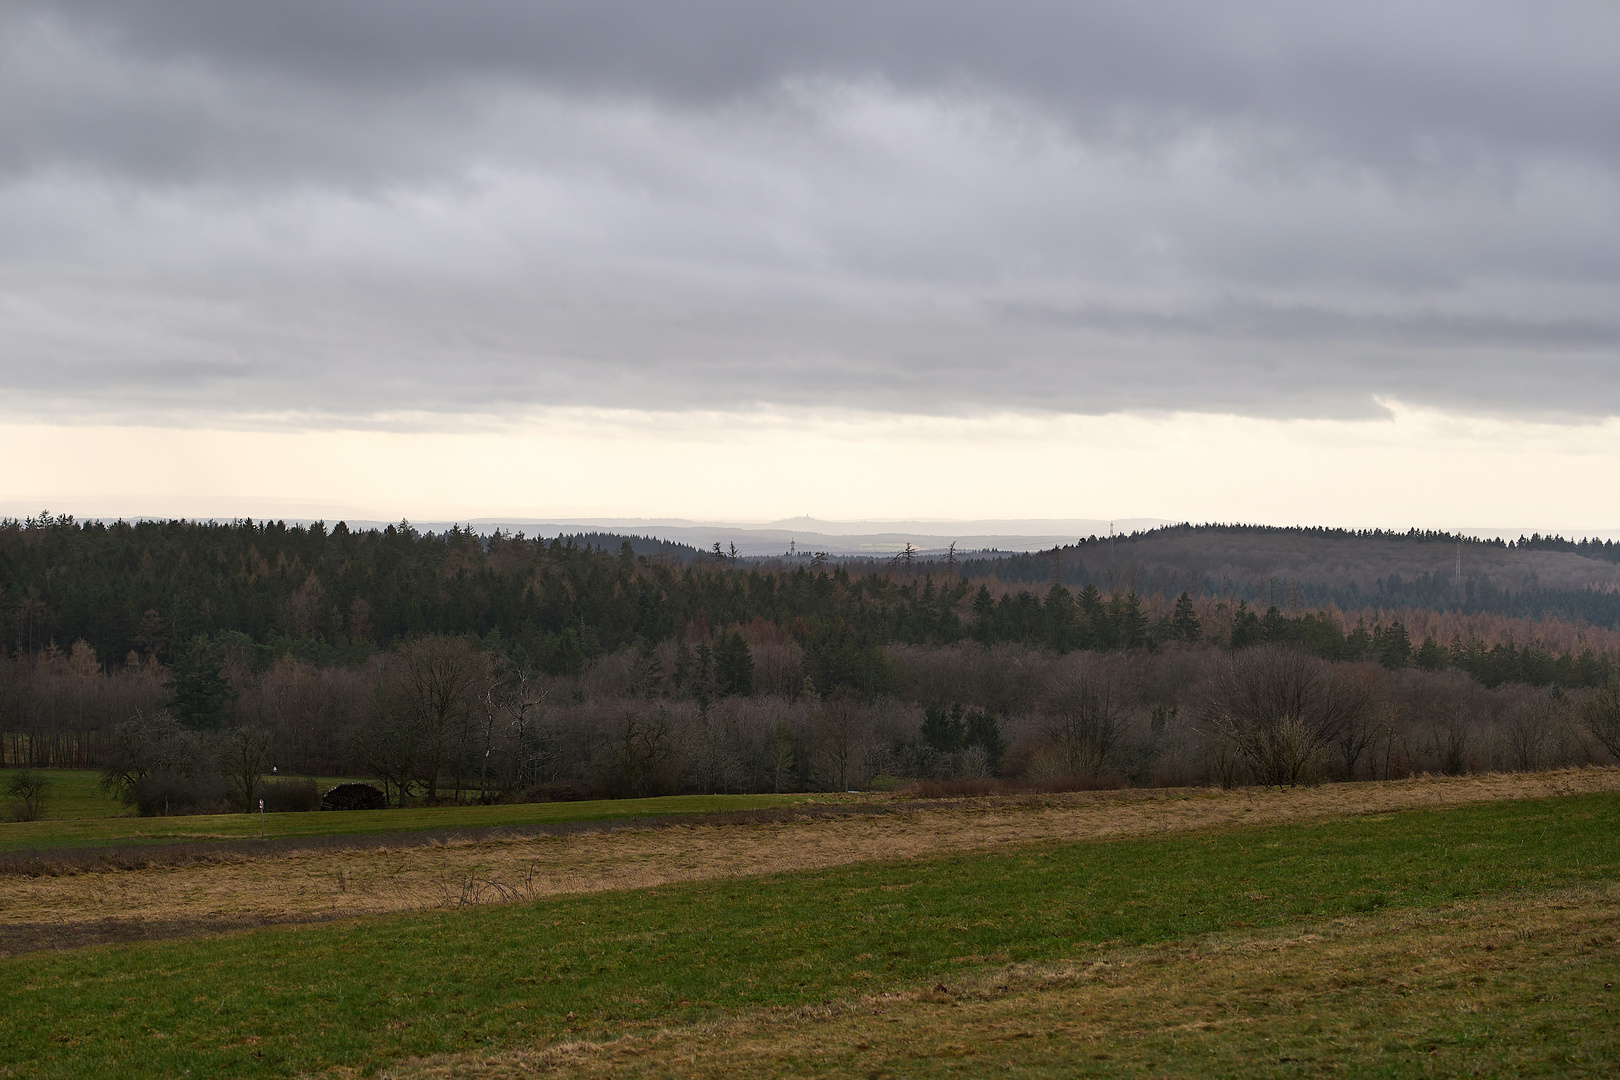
1350,264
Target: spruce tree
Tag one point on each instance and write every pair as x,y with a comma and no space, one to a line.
984,607
942,729
1430,656
734,666
1185,620
200,695
981,729
1131,620
1393,645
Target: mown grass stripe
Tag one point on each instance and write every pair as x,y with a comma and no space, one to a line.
362,994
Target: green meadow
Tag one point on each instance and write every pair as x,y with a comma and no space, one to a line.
361,995
80,814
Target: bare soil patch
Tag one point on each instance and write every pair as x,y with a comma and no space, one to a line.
239,889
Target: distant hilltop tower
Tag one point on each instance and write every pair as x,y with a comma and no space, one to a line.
1459,561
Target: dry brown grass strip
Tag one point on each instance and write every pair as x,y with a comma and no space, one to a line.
319,885
1499,988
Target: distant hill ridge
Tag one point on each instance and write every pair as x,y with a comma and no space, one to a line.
1312,566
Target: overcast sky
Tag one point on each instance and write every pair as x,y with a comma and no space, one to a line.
401,217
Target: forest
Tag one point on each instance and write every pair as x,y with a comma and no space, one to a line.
185,658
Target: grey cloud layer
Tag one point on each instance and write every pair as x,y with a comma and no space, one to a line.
351,209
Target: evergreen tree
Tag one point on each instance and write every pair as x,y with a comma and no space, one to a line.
647,672
1246,629
984,607
981,729
1430,656
1185,620
1131,620
200,695
566,657
1097,616
1393,646
1064,628
734,666
942,729
1358,644
685,667
703,683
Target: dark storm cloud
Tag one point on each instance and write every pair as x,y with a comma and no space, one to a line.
1398,85
367,207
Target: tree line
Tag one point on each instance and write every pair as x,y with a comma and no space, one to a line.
458,666
456,719
166,593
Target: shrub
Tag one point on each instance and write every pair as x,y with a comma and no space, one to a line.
977,788
26,793
559,791
354,797
291,795
1602,718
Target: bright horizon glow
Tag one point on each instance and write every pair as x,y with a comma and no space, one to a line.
1414,468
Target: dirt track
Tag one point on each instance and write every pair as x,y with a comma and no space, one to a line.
308,886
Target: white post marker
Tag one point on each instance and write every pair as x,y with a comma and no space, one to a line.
261,819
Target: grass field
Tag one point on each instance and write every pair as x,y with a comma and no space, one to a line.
117,827
802,965
238,884
74,794
1510,987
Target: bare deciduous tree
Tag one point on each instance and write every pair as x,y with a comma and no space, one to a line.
437,682
835,735
244,754
1087,709
26,791
1601,716
1526,730
1280,709
1359,714
639,750
783,757
514,697
155,765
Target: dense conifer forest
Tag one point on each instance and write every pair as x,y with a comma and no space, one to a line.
148,587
